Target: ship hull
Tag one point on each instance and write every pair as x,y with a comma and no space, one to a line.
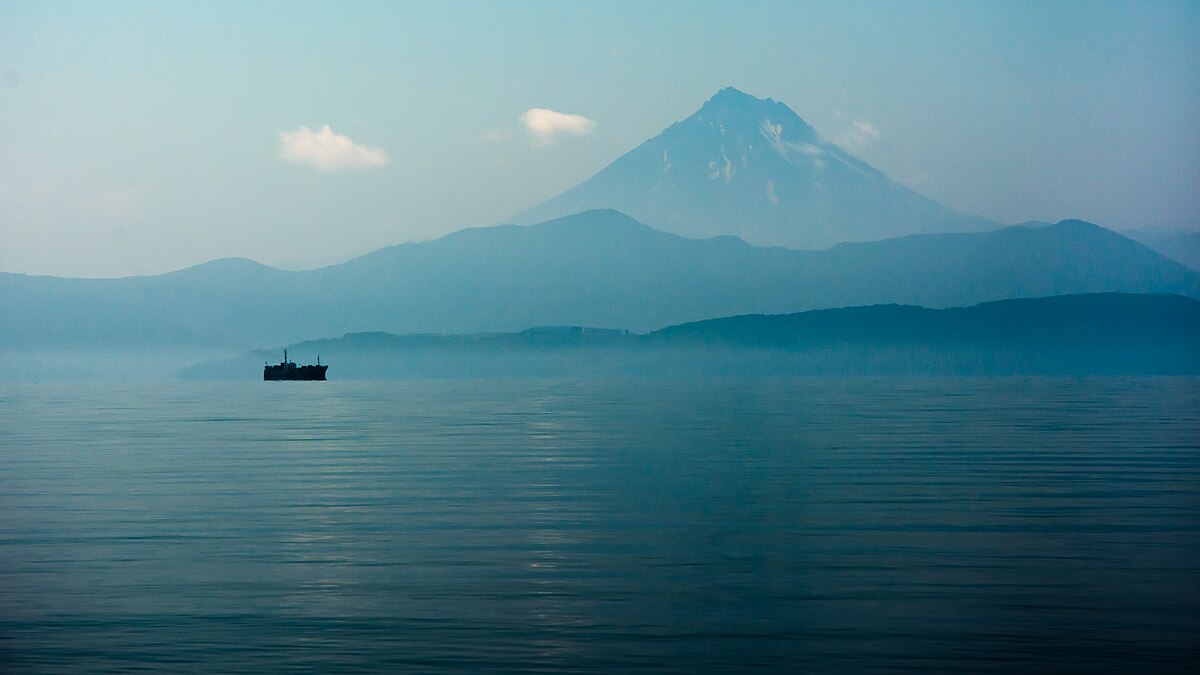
283,373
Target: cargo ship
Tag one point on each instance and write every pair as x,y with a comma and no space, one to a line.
287,370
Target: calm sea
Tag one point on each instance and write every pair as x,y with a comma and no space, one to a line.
727,525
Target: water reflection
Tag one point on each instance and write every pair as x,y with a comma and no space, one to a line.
592,526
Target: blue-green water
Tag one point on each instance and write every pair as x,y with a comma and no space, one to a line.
723,525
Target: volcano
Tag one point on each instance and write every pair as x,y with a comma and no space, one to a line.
753,168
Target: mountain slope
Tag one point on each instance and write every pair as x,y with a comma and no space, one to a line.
599,268
1182,247
753,168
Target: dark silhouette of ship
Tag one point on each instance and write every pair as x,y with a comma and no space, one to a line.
287,370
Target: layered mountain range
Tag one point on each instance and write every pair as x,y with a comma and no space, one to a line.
598,268
674,231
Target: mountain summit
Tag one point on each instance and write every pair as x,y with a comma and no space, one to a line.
753,168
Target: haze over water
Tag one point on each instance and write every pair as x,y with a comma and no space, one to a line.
590,526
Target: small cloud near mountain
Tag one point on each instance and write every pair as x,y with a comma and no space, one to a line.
547,125
859,136
327,150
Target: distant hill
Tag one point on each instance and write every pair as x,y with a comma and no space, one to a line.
1067,321
599,268
1108,333
753,168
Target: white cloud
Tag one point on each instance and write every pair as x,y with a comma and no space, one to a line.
327,150
865,130
859,136
546,125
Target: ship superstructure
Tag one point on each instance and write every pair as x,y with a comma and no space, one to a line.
287,370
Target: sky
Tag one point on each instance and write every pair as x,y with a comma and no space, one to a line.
143,137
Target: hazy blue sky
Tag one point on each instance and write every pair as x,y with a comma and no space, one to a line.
143,137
